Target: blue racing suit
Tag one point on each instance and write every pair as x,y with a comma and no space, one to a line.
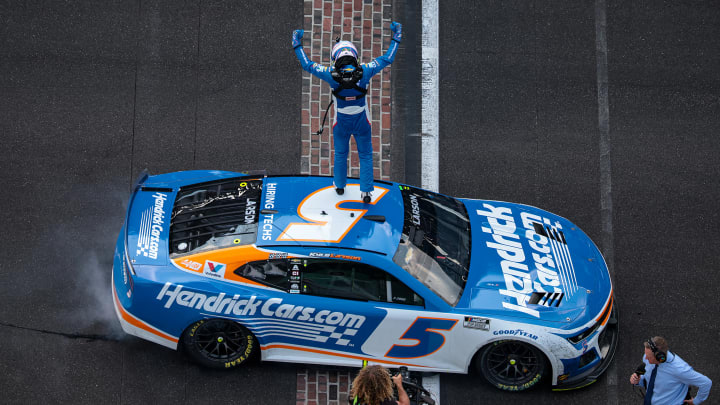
351,116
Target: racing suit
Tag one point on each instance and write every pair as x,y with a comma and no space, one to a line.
351,116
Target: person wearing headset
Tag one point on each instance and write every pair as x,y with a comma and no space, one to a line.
349,81
668,378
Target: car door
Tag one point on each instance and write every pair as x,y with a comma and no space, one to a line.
346,309
398,329
312,310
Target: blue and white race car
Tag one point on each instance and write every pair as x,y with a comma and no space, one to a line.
227,265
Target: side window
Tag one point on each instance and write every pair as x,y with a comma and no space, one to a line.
356,281
270,272
370,283
402,294
332,279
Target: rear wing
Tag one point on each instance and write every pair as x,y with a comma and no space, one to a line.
136,185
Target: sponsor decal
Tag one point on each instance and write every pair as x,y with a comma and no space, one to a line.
550,252
515,332
415,208
475,322
214,269
520,387
279,255
334,256
333,326
295,276
524,276
192,265
268,220
151,226
127,278
250,209
124,272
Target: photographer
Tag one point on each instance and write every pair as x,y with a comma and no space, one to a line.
667,377
372,386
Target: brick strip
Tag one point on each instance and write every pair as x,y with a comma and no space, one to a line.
366,24
324,386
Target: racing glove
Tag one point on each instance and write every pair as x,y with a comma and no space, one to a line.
396,28
297,38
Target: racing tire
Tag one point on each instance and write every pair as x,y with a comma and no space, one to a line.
511,365
219,343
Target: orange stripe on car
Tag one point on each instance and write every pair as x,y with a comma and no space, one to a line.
132,320
232,257
349,356
607,310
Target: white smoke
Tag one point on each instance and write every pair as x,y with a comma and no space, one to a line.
90,308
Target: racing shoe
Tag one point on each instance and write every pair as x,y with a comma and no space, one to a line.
340,191
366,196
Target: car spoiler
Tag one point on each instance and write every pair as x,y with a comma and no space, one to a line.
136,186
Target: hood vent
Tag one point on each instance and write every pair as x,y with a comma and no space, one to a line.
546,299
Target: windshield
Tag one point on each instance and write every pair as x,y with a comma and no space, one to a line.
435,244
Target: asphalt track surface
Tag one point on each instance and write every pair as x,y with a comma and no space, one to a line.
92,93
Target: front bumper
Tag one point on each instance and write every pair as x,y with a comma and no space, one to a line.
608,341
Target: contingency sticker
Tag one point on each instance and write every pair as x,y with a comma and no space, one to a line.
295,266
475,322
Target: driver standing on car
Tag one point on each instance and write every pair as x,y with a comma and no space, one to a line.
349,81
372,387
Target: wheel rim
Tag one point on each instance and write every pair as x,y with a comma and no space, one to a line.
512,363
220,340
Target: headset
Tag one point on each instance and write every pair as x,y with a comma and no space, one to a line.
661,357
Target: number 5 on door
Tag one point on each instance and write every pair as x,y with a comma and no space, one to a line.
425,332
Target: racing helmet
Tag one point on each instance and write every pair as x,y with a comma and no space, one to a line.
341,49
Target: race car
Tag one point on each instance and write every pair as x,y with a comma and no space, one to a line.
229,265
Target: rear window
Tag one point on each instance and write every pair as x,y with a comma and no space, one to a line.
215,215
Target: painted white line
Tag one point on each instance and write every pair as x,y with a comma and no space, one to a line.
430,107
430,177
431,382
608,246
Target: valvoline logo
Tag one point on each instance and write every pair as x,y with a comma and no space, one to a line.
214,269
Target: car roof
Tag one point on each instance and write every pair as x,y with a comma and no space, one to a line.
306,211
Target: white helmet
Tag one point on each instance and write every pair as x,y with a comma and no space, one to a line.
343,48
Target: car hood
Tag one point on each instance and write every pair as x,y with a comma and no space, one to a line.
532,264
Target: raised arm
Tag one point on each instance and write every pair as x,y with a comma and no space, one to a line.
316,69
374,67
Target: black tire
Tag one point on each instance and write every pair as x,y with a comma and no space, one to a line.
219,343
511,365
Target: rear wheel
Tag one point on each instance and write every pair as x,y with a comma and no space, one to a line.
511,365
219,343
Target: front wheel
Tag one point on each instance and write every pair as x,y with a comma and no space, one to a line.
511,365
219,343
